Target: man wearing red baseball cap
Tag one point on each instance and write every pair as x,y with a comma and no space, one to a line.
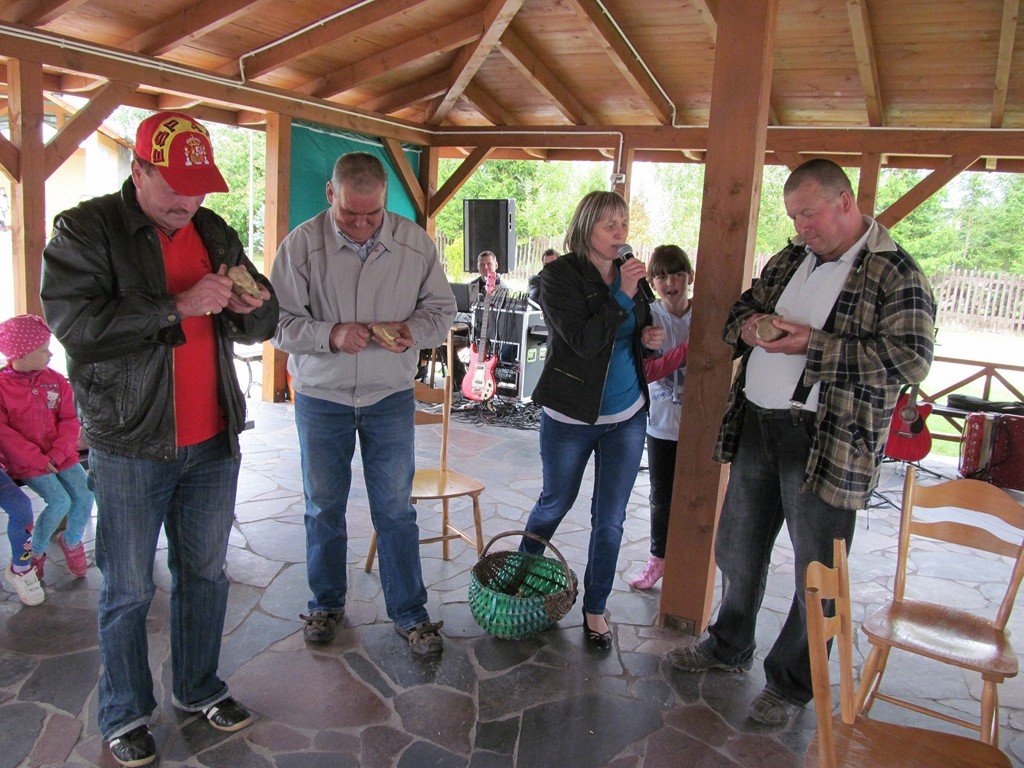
136,288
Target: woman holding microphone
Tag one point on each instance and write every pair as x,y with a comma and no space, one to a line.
593,390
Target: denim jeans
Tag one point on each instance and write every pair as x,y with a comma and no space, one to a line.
18,507
565,450
765,491
327,438
193,499
66,494
661,461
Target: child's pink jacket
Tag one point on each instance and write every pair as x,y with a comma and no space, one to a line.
38,423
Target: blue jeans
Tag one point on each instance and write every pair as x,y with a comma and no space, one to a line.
66,494
193,499
18,507
765,490
327,439
565,450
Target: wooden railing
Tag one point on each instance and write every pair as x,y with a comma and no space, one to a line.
995,381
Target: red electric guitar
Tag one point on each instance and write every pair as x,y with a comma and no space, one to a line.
909,438
479,383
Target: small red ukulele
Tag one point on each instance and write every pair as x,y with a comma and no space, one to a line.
478,383
909,438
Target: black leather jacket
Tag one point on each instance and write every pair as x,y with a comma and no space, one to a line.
582,318
105,297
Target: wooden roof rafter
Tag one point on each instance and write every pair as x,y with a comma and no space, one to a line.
487,105
36,13
867,61
533,68
316,36
609,37
448,38
190,23
1007,37
392,101
498,14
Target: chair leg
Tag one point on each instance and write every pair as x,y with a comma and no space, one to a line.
990,713
372,553
478,524
870,678
445,529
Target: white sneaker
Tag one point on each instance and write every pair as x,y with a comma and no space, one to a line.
27,585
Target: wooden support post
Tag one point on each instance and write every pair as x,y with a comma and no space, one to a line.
741,85
279,153
28,193
428,183
867,188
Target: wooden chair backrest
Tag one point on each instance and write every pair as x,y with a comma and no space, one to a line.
823,584
985,501
430,396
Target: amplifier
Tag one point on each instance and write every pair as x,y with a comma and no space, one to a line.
518,335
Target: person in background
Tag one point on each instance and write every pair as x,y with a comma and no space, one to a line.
486,265
807,418
20,577
533,285
360,287
39,440
672,275
593,391
136,288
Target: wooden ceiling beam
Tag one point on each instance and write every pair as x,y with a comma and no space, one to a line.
391,101
173,102
109,63
498,14
36,13
410,181
925,188
447,191
317,36
534,69
1007,36
487,105
51,82
447,38
597,19
867,61
84,123
191,22
10,158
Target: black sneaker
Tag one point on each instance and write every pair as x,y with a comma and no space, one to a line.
227,715
136,747
320,625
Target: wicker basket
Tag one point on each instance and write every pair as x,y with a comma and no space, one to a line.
514,594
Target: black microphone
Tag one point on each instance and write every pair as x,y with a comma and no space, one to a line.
625,251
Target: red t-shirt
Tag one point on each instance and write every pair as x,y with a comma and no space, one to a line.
197,411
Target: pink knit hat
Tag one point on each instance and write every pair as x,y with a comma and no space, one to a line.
22,334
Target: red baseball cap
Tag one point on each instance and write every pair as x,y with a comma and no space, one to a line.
180,148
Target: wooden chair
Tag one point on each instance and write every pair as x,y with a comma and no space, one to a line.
440,482
846,738
941,632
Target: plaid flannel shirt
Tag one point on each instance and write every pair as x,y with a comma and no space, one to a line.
883,338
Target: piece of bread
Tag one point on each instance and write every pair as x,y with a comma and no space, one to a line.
766,331
244,283
384,333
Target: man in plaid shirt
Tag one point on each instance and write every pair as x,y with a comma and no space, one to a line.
808,415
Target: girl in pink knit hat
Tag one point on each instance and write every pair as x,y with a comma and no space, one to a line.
39,441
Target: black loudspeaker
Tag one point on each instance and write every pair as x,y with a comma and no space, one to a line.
489,225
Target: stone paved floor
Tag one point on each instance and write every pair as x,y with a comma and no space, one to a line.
363,701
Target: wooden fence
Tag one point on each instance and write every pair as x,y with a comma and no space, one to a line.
966,299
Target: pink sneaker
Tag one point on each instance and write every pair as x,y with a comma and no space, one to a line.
650,575
39,565
74,557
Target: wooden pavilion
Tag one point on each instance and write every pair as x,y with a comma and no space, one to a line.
929,84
